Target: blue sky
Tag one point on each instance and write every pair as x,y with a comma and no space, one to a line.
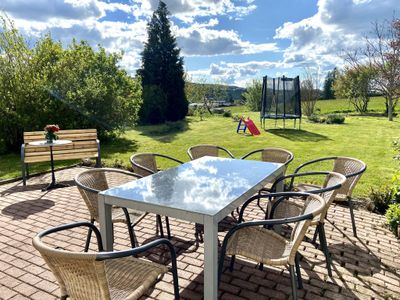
222,41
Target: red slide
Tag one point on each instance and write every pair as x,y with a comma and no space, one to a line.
251,126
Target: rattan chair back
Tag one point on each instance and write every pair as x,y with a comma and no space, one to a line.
198,151
144,164
79,275
102,275
293,207
315,205
93,181
351,168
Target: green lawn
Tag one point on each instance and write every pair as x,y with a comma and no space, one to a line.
368,138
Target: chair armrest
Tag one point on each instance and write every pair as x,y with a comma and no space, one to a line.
139,250
269,196
314,161
226,150
75,225
251,153
169,157
268,223
295,175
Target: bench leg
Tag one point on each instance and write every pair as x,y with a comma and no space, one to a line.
98,162
27,171
23,175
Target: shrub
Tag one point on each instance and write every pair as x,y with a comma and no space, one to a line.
74,87
393,216
335,119
381,199
316,118
227,114
217,110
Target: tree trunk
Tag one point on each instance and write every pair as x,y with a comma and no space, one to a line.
390,109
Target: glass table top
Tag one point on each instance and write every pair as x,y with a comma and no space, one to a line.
205,185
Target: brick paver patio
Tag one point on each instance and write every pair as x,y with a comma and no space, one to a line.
367,267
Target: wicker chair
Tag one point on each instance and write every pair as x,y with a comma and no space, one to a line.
291,208
145,164
351,168
198,151
253,240
276,155
103,275
93,181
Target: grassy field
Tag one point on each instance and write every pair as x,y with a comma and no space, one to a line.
368,138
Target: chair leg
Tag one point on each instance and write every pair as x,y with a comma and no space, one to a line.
353,221
293,282
63,297
89,236
168,228
232,263
23,174
324,246
314,240
298,271
159,225
261,266
132,236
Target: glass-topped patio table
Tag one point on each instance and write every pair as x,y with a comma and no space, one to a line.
203,191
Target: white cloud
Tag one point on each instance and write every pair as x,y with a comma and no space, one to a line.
43,10
238,74
200,40
337,26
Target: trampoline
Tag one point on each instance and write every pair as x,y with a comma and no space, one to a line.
280,100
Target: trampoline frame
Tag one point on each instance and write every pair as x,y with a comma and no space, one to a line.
274,114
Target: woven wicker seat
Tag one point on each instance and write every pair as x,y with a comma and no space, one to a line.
351,168
293,207
198,151
103,275
255,241
93,181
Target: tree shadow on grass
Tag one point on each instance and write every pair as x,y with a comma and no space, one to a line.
299,135
164,133
118,145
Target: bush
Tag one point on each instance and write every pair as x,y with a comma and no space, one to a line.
393,216
316,119
329,119
335,119
382,199
74,87
227,114
217,110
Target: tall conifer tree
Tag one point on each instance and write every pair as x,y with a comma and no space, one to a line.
162,73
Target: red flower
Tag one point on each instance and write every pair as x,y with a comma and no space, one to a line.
52,128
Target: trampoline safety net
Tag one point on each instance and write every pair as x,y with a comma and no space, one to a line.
280,99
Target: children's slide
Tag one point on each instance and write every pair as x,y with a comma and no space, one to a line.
251,126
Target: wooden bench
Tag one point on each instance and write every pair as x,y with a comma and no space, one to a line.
84,145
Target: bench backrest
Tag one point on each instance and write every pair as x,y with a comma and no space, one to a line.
84,145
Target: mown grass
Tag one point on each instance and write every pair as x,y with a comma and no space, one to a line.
368,138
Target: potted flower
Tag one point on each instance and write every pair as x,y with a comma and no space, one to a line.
50,133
